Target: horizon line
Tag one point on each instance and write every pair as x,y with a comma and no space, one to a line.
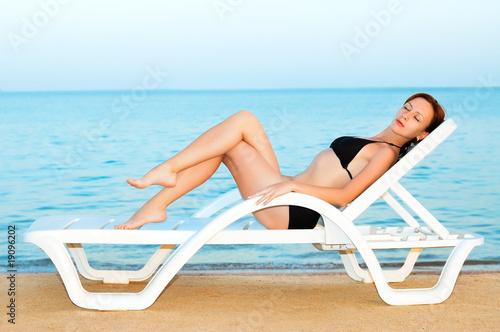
244,89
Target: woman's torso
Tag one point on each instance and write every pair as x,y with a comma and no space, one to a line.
326,168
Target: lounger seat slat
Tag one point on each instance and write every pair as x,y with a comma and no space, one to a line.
91,224
169,224
379,237
86,230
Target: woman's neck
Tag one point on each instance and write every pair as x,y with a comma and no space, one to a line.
387,135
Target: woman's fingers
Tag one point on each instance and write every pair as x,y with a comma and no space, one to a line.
261,193
269,197
263,198
270,193
268,200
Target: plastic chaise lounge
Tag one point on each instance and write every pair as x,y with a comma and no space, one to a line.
60,236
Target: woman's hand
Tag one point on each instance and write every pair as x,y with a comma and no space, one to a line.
273,191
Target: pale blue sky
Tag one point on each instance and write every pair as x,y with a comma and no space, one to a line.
247,44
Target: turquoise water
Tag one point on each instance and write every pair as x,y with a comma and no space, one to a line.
70,153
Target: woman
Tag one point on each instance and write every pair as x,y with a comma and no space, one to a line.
337,175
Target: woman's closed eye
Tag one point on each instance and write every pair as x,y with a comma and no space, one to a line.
408,108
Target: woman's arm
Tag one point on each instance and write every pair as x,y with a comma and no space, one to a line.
378,165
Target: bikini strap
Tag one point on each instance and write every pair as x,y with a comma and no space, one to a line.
399,147
391,144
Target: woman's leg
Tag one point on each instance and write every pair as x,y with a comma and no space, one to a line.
251,160
154,209
252,172
218,140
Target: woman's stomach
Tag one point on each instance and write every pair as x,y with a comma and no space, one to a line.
325,170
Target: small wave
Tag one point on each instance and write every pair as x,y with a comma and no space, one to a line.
92,178
43,208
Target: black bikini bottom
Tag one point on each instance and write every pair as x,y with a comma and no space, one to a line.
302,218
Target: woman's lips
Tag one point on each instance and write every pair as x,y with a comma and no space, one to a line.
399,123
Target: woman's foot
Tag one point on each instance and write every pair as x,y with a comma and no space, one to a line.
144,215
161,175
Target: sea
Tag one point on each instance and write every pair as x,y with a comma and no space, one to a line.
69,153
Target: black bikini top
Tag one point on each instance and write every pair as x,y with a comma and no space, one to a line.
347,147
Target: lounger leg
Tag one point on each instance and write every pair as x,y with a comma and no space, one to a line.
61,258
117,276
352,267
437,294
82,263
57,252
357,273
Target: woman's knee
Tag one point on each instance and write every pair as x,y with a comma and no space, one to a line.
245,113
247,117
253,130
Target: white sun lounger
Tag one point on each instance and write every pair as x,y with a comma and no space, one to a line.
60,236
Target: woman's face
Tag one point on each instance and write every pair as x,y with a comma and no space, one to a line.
412,119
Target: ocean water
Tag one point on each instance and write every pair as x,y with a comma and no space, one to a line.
70,153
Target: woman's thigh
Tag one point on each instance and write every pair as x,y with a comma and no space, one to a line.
252,172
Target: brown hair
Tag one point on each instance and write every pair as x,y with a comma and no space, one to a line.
437,119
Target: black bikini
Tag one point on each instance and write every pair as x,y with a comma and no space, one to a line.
301,217
346,148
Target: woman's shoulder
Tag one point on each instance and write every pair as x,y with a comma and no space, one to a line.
385,151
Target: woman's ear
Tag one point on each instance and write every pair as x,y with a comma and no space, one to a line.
422,135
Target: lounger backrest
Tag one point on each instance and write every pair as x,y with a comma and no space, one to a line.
396,172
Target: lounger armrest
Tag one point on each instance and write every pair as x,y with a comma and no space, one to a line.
335,222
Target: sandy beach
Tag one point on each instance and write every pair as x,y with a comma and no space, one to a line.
229,302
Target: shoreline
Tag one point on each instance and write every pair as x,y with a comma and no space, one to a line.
294,302
423,267
47,266
279,272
